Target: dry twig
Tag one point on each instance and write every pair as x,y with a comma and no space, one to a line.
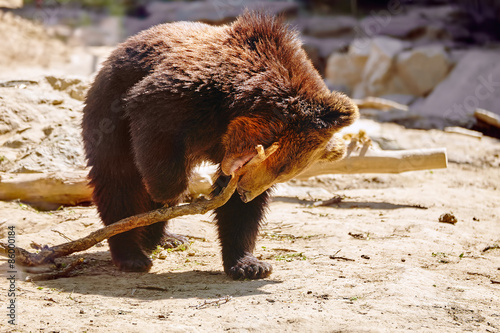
334,256
65,272
216,302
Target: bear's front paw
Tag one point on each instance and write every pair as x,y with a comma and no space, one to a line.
249,267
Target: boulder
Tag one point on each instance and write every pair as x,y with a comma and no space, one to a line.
400,98
40,125
423,68
342,71
345,69
319,49
76,87
473,83
380,68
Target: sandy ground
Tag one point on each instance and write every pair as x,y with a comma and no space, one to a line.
395,268
379,261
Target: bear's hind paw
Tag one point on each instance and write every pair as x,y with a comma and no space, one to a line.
249,267
171,240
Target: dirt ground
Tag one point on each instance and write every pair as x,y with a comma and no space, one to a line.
379,261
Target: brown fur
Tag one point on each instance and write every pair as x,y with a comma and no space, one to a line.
182,93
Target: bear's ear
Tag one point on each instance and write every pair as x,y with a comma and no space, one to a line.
241,138
339,112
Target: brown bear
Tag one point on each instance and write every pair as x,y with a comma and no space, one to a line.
182,93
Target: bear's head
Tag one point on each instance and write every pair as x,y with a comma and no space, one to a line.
303,130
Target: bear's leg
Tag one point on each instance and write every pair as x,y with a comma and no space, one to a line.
238,225
160,159
119,194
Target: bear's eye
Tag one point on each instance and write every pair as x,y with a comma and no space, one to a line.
282,169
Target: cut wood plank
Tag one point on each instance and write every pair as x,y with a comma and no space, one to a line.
487,117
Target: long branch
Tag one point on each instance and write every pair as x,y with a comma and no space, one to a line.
48,254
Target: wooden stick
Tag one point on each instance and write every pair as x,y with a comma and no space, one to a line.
392,161
48,254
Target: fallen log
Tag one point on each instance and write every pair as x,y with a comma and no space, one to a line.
381,161
46,190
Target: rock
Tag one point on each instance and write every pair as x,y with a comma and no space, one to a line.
219,12
342,71
423,68
163,255
11,3
345,69
74,86
328,26
62,83
438,13
158,12
41,125
337,87
387,69
473,83
487,117
201,180
448,218
25,138
379,69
